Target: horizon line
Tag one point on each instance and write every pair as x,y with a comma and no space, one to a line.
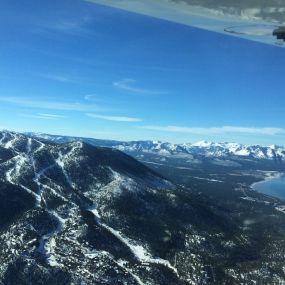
138,140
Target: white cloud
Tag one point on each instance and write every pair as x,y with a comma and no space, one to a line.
126,84
217,130
114,118
54,116
43,116
49,104
37,117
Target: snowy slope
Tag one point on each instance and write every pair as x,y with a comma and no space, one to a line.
64,182
73,213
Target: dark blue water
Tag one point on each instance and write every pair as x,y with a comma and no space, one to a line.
274,187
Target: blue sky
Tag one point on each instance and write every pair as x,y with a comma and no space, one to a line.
76,68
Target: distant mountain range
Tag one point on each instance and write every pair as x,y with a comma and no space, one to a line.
203,148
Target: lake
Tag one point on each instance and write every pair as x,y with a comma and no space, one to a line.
274,187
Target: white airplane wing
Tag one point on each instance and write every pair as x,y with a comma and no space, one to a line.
258,20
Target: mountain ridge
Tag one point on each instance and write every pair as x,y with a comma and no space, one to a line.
205,148
72,183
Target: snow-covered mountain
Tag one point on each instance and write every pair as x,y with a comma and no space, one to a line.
64,221
208,149
73,213
203,148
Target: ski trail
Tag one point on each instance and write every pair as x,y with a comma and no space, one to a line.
42,145
54,192
29,145
61,160
9,178
48,242
141,254
14,171
120,263
37,196
37,174
61,164
37,178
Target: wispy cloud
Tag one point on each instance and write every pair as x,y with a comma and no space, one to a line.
54,116
93,98
49,104
71,24
56,77
114,118
63,77
97,99
89,97
67,24
127,85
38,116
217,130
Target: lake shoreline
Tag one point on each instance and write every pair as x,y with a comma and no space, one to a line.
268,176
